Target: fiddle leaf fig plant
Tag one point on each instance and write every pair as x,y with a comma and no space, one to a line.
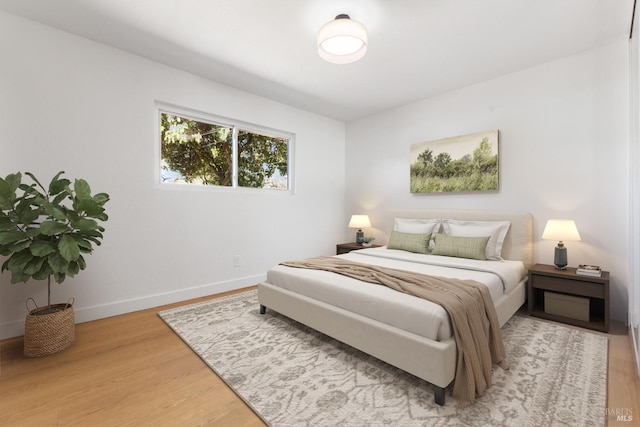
45,233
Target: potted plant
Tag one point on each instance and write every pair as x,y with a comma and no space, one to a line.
366,241
45,233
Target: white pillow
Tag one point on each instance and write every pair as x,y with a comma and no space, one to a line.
496,230
417,226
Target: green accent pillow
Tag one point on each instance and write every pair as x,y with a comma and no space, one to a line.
412,242
461,247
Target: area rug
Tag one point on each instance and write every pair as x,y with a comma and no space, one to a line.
291,375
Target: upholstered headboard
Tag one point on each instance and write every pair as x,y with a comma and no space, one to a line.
518,244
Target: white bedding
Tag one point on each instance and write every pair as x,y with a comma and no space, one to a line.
394,308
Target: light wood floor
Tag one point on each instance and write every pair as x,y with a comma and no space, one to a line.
133,370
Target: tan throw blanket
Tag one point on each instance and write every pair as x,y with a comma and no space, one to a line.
468,303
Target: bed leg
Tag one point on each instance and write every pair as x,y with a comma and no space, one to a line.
438,395
263,309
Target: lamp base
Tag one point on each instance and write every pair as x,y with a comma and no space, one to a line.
560,257
359,236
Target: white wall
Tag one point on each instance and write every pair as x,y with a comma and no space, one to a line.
67,103
634,191
563,154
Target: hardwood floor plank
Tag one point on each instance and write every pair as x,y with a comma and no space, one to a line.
623,385
134,370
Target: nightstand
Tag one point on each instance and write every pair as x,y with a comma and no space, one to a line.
567,297
345,248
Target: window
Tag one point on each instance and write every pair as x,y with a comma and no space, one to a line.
210,151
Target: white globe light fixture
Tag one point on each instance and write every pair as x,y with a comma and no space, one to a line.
342,40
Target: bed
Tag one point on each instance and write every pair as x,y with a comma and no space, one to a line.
405,331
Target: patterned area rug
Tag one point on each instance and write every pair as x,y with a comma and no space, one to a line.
292,375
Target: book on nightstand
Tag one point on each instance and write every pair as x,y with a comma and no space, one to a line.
589,270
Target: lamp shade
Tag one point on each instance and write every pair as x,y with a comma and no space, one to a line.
359,221
342,40
561,230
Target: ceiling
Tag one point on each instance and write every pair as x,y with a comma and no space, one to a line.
417,48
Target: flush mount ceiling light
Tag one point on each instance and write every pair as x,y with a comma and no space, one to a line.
342,40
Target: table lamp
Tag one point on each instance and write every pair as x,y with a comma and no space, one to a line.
561,230
359,222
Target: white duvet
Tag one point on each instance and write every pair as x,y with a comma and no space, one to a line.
394,308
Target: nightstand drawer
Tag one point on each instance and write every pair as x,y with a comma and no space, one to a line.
576,287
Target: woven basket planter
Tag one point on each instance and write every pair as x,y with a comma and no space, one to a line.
49,330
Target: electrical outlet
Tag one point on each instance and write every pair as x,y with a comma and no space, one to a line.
236,260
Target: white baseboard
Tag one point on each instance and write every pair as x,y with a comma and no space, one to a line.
86,314
635,339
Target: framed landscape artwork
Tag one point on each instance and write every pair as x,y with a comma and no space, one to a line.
457,164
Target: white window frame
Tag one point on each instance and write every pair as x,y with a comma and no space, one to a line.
235,125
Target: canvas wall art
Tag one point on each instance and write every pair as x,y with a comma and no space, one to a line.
457,164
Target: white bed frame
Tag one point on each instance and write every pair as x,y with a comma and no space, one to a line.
432,361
